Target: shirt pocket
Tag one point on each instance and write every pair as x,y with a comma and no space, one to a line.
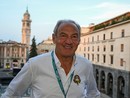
78,86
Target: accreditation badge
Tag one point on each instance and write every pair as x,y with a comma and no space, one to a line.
77,79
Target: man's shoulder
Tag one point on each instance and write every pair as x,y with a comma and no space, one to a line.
82,59
40,57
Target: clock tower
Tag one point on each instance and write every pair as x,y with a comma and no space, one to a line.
26,28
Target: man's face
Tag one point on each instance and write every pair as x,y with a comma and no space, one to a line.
66,39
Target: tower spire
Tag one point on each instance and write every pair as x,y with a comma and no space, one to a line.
27,9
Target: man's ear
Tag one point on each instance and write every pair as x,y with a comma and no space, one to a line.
79,41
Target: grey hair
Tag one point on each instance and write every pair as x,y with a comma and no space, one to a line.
66,21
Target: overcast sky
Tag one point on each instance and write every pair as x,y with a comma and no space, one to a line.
45,14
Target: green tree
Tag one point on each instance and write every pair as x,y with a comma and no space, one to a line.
33,49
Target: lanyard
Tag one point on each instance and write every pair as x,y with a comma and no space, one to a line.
58,76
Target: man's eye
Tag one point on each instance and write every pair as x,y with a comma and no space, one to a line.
74,36
62,35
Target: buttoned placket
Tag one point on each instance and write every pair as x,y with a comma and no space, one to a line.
65,79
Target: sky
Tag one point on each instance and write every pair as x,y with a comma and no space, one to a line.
45,13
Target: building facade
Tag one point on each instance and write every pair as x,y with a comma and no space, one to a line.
12,54
107,46
45,46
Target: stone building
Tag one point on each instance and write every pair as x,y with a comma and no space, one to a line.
12,54
45,46
107,46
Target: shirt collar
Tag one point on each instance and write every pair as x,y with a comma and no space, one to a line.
56,60
59,64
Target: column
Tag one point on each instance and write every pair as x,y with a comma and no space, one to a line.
99,80
106,82
115,79
4,56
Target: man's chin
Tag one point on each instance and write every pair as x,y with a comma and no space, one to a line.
68,54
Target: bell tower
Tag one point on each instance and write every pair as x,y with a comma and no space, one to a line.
26,28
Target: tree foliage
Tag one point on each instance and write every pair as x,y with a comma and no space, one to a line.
33,48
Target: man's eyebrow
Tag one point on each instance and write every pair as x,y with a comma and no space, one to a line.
62,32
75,33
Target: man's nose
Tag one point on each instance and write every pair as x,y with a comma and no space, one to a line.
69,40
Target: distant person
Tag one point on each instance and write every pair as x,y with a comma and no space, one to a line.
59,73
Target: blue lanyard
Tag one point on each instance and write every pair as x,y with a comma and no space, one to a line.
58,76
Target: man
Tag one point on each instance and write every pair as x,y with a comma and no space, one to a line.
57,74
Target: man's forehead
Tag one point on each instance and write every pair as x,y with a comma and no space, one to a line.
67,24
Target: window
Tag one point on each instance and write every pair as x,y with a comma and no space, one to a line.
111,36
22,55
28,24
111,59
97,37
122,47
23,24
121,62
97,57
123,33
92,39
92,57
104,48
104,58
104,37
84,48
98,48
8,50
93,48
84,55
88,56
8,54
22,49
111,48
88,49
7,60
